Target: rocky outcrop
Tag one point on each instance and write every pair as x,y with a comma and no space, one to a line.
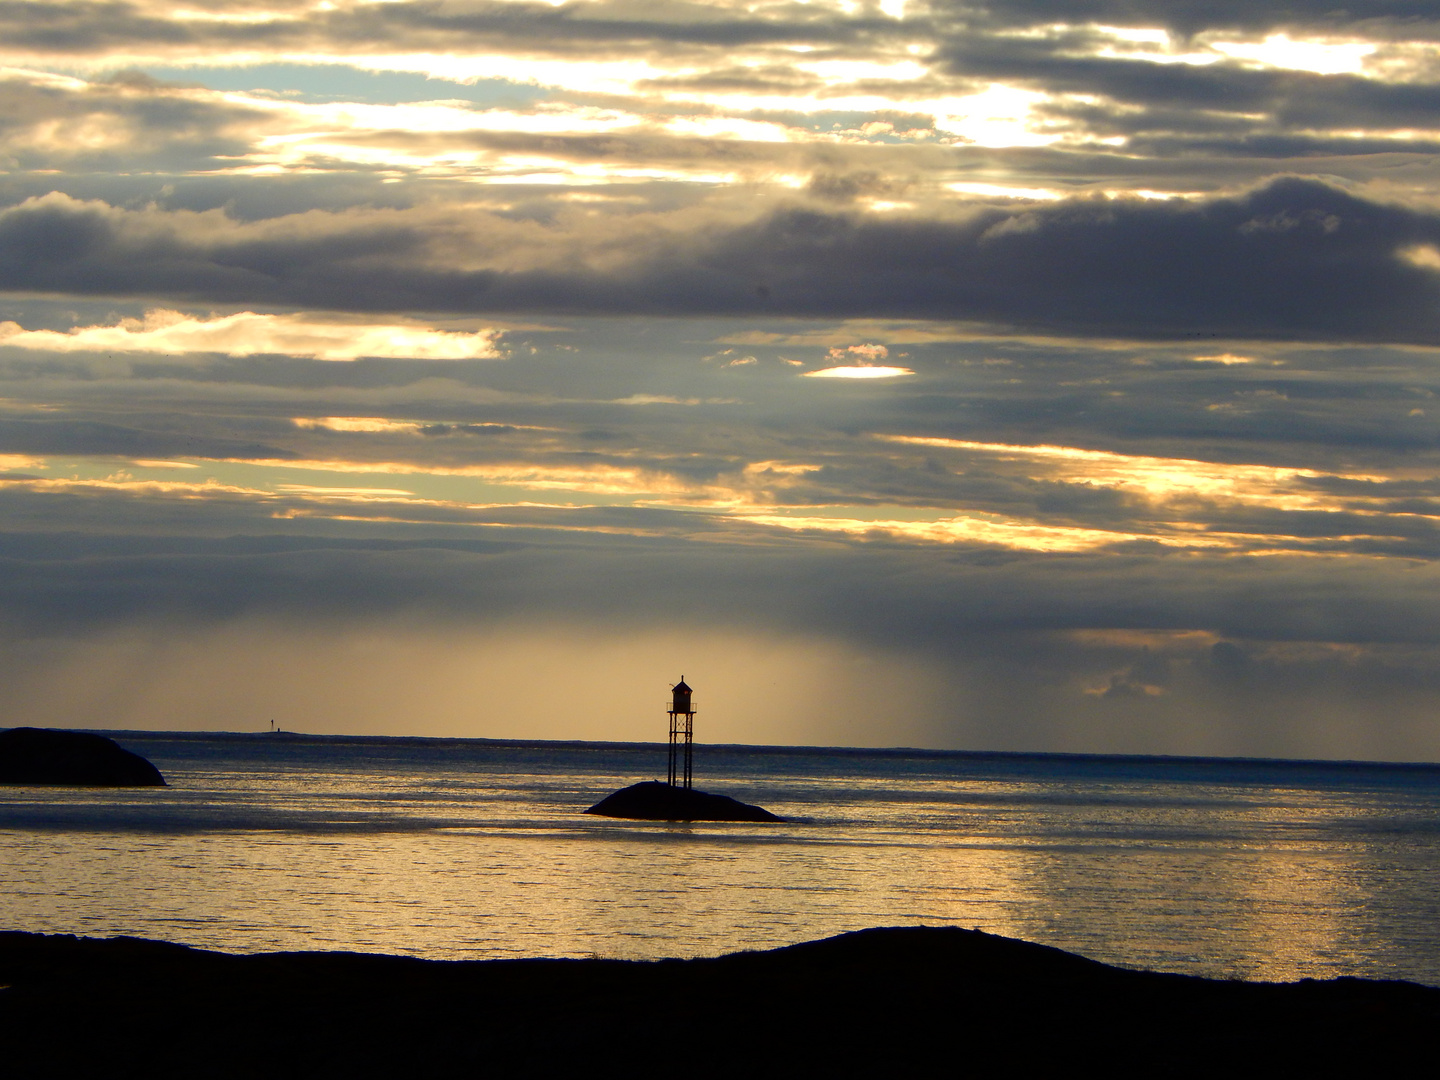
41,756
654,801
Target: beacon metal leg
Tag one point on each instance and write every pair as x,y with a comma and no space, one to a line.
670,776
689,743
682,730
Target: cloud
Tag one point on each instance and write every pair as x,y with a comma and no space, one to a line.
1011,611
1079,447
865,353
1015,645
924,598
244,334
25,436
707,80
127,123
1296,258
867,371
1160,474
367,424
404,27
866,368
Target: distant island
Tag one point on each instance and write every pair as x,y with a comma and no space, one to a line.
905,1001
44,756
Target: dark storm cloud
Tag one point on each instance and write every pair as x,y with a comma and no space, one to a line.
1349,411
130,123
922,599
1365,517
696,444
1308,413
1279,152
965,47
1030,642
80,438
547,24
1013,680
1296,258
1217,86
250,198
83,28
1192,16
903,164
1186,94
1188,127
1225,155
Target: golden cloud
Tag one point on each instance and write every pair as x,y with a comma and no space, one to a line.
247,333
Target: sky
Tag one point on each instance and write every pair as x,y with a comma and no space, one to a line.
994,376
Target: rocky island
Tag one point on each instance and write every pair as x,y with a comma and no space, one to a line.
676,800
79,758
656,801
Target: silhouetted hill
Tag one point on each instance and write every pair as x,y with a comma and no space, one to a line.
878,1002
654,801
42,756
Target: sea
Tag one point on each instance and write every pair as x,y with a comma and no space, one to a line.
478,849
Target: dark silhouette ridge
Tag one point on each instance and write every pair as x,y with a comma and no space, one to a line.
943,1000
654,801
42,756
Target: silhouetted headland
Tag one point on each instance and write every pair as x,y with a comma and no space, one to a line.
655,801
886,1002
42,756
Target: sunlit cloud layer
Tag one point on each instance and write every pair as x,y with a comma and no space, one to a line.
1078,365
246,333
875,371
1160,477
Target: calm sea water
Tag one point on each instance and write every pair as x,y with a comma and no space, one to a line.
474,849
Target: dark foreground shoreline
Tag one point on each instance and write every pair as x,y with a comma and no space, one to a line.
943,1000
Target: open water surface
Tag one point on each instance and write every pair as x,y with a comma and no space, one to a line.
475,849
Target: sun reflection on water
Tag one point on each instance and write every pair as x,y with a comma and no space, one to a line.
482,853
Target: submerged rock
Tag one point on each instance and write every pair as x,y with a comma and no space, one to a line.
654,801
41,756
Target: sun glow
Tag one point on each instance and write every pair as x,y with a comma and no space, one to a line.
1282,51
369,425
865,372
